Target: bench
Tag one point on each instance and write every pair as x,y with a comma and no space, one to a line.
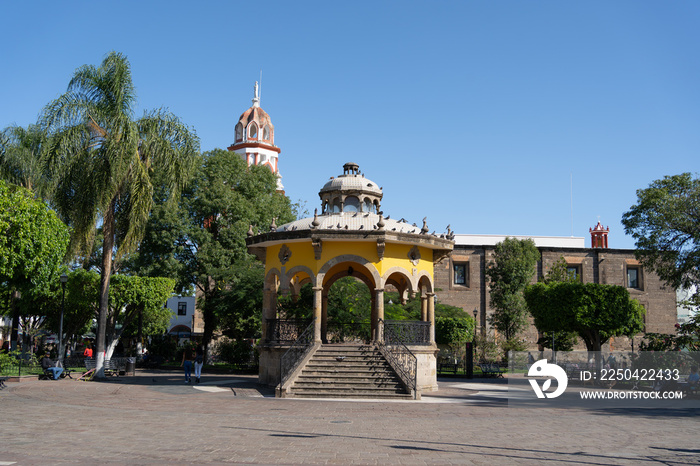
111,368
491,370
448,367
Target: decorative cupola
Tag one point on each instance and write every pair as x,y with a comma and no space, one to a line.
254,138
350,192
599,236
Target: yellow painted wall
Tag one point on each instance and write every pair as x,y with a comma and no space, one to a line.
395,255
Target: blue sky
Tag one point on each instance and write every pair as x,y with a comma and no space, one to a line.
482,115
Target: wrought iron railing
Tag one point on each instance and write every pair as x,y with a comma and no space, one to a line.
284,330
409,332
348,332
401,359
296,353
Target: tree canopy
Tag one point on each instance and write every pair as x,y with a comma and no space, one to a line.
665,223
511,270
201,240
594,311
103,163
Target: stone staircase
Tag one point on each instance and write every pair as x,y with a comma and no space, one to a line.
348,371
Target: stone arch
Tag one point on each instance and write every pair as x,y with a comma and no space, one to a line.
320,278
399,278
424,281
297,269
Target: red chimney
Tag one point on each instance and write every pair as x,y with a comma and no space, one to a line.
599,236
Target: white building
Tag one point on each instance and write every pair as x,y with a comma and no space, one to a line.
182,321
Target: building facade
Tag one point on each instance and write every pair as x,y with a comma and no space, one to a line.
461,281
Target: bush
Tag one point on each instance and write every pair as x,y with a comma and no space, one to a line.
163,347
234,351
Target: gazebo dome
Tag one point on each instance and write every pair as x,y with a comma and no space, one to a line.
350,192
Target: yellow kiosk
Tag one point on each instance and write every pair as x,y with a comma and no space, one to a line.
350,237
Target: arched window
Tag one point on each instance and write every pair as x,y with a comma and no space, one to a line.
352,204
266,133
367,205
239,132
253,131
336,205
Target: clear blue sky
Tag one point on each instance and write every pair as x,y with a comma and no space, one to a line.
474,114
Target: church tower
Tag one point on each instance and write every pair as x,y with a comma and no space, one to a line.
255,138
599,236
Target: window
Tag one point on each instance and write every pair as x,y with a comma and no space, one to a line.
574,272
253,131
182,308
266,132
239,132
633,278
351,204
461,274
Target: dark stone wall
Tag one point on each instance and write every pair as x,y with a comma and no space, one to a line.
606,266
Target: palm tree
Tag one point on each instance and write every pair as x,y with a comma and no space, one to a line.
20,158
105,163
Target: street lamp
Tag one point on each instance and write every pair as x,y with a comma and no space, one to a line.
64,280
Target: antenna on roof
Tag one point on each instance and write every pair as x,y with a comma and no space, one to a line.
572,204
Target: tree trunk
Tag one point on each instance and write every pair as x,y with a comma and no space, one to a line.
107,246
210,321
14,333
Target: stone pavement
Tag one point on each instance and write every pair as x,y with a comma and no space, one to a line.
154,418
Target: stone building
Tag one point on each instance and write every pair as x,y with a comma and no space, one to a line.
461,280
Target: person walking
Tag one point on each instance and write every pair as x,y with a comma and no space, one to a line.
187,358
198,362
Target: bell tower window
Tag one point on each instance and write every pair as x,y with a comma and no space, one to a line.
266,133
253,131
239,132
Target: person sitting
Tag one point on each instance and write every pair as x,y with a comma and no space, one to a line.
50,367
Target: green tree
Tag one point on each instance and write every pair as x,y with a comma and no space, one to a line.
21,158
80,304
103,161
33,242
558,340
665,223
134,298
454,332
223,200
512,269
595,312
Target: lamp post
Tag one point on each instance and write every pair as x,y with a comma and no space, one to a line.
64,280
470,350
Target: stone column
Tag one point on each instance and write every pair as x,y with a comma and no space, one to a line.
379,304
318,311
423,308
269,310
324,316
431,315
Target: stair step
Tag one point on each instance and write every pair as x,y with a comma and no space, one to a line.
348,371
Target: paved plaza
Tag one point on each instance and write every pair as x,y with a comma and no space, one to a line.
154,418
